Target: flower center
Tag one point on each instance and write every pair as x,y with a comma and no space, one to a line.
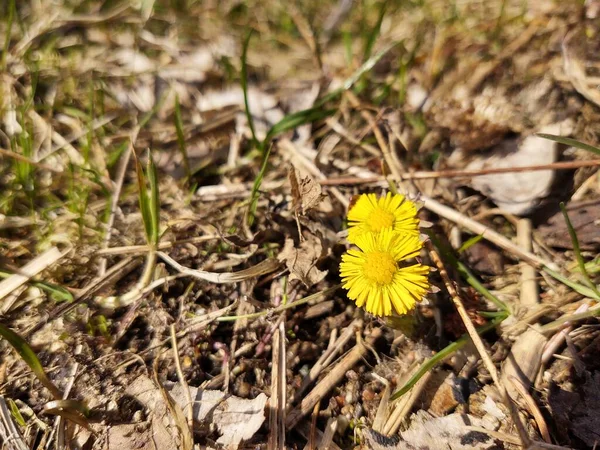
381,219
379,267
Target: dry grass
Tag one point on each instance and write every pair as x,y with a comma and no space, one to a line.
154,227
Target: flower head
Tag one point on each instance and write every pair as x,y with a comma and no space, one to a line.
374,278
372,215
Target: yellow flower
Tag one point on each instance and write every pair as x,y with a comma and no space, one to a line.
372,215
374,278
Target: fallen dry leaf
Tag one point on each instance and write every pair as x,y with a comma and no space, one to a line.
301,261
306,192
427,432
158,432
577,414
518,192
584,217
236,419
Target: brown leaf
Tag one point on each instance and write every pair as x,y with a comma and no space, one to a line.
301,261
237,419
306,192
578,413
427,432
160,431
583,216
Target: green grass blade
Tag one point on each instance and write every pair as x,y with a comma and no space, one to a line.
442,355
256,187
577,287
296,119
58,293
310,115
470,243
15,413
466,273
476,284
181,138
350,81
374,33
144,199
577,251
29,356
154,201
570,142
244,82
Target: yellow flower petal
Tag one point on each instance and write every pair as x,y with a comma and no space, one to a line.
372,215
372,275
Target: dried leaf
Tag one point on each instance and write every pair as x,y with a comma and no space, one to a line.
236,419
427,432
575,65
584,216
306,192
523,361
518,192
578,413
159,432
262,268
301,261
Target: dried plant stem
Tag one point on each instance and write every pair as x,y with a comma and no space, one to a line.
278,377
138,290
114,201
529,295
433,174
189,404
25,159
29,270
136,249
533,409
262,268
489,234
327,357
487,361
404,405
331,380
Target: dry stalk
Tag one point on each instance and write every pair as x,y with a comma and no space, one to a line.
137,249
116,194
301,160
27,160
451,173
138,290
304,429
189,404
529,295
327,357
489,234
533,409
487,361
328,434
278,379
336,126
29,270
330,380
262,268
559,338
404,405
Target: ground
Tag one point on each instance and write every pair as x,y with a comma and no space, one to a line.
175,180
